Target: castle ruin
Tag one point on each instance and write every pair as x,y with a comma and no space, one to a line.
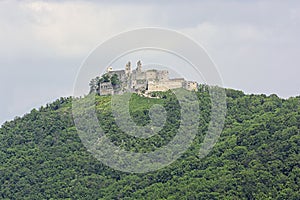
140,81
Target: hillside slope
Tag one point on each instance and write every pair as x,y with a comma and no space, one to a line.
256,157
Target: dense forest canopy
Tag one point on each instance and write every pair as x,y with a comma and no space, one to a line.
256,157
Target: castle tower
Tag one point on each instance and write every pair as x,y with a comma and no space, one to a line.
128,68
139,66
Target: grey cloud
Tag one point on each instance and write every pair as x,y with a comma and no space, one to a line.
255,44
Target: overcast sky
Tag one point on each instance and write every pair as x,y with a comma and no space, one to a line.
255,44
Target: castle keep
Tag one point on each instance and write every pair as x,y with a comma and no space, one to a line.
139,81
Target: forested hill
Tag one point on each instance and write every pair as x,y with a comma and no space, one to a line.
256,157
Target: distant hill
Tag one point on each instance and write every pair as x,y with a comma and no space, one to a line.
256,157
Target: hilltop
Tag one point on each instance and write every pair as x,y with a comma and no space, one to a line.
256,157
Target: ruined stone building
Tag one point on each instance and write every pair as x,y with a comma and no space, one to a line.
139,81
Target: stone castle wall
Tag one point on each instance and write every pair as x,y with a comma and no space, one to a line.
138,80
163,85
